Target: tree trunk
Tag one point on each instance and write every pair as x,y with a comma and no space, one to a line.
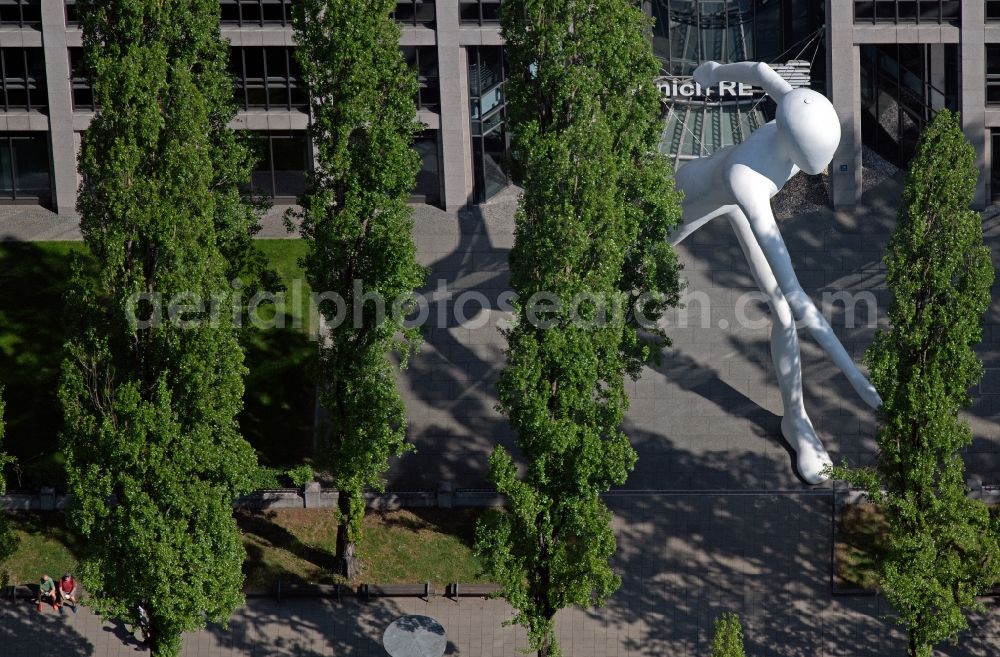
350,565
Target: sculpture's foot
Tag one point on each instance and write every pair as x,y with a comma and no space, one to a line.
812,457
866,391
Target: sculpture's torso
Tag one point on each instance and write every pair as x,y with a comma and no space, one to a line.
709,178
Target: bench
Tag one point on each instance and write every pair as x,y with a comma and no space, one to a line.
396,590
21,591
472,590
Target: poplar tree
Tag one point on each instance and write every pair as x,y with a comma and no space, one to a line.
590,236
151,387
728,639
942,545
8,540
357,225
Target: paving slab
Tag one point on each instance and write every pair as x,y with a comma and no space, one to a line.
684,558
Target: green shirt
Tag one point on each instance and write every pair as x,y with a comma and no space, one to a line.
47,586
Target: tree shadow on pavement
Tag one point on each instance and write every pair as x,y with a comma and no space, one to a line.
450,386
24,631
303,628
684,558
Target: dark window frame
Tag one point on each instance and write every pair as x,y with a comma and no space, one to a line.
81,83
429,196
993,10
429,91
33,84
471,12
928,12
44,195
995,165
269,137
284,78
489,123
415,13
233,12
18,7
992,77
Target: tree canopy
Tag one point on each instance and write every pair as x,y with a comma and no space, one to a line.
590,250
357,225
942,545
154,454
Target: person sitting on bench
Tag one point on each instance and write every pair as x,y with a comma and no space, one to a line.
47,593
67,592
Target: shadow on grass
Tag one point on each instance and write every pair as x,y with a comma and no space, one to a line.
34,277
460,523
262,572
860,546
278,404
33,280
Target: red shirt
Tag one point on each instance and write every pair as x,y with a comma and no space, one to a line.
67,585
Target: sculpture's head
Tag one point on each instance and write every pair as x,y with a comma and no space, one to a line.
809,127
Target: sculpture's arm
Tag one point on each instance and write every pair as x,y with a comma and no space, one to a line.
751,191
760,74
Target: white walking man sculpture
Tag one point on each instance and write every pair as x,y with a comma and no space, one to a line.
738,182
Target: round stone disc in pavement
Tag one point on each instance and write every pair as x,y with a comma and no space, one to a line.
414,636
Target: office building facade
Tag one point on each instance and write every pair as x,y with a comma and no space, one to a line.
894,63
887,65
454,45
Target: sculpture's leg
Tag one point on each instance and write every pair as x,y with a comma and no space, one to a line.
769,238
795,425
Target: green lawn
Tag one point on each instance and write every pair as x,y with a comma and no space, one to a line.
45,546
279,403
861,545
422,545
295,546
33,279
279,396
860,540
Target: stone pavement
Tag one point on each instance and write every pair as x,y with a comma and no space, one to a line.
732,527
707,416
684,558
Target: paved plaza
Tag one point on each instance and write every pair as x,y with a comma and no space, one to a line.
713,518
707,416
683,559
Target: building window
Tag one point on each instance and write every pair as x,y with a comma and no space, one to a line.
81,82
72,13
423,61
24,166
415,12
428,187
993,10
267,78
902,87
907,11
478,12
23,79
248,13
282,161
689,32
488,114
20,13
993,74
